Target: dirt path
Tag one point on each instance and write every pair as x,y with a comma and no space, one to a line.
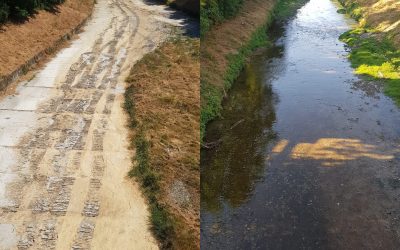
63,142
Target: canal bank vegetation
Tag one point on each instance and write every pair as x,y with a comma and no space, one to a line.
375,43
163,103
216,11
227,45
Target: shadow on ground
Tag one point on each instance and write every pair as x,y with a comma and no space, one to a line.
190,25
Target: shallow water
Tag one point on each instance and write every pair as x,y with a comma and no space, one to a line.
310,155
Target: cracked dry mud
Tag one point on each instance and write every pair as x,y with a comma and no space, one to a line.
63,143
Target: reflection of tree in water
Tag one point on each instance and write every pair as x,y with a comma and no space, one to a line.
233,168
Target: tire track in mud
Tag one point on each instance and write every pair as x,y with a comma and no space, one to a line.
66,150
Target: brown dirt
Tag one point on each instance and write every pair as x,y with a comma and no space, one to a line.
228,37
167,104
21,42
383,15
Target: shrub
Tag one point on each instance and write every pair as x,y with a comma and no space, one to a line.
215,11
22,9
4,12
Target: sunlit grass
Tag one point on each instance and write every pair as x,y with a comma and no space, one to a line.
337,151
386,70
352,8
376,58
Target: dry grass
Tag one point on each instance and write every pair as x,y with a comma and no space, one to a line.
20,42
382,15
165,89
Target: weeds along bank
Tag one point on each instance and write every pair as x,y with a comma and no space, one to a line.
216,11
227,44
21,42
375,43
163,104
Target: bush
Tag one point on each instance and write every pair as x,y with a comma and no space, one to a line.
4,12
215,11
22,9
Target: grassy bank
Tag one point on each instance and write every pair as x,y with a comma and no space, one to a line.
380,16
20,42
212,95
226,47
375,46
163,104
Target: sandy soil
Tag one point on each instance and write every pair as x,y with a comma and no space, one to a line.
63,141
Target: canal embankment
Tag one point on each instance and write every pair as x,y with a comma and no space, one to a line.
24,45
164,86
375,42
162,100
226,46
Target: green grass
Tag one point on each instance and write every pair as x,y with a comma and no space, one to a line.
375,58
161,221
287,8
130,106
162,225
236,61
351,8
212,96
216,11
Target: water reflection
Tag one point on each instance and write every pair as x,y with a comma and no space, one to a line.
230,171
336,151
307,171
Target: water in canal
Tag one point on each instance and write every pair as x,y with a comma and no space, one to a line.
309,155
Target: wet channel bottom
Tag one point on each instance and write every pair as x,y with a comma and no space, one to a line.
309,155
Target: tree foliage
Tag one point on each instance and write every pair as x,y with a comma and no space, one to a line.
22,9
214,11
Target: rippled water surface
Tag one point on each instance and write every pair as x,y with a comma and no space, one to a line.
309,155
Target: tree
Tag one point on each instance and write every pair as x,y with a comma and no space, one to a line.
22,9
